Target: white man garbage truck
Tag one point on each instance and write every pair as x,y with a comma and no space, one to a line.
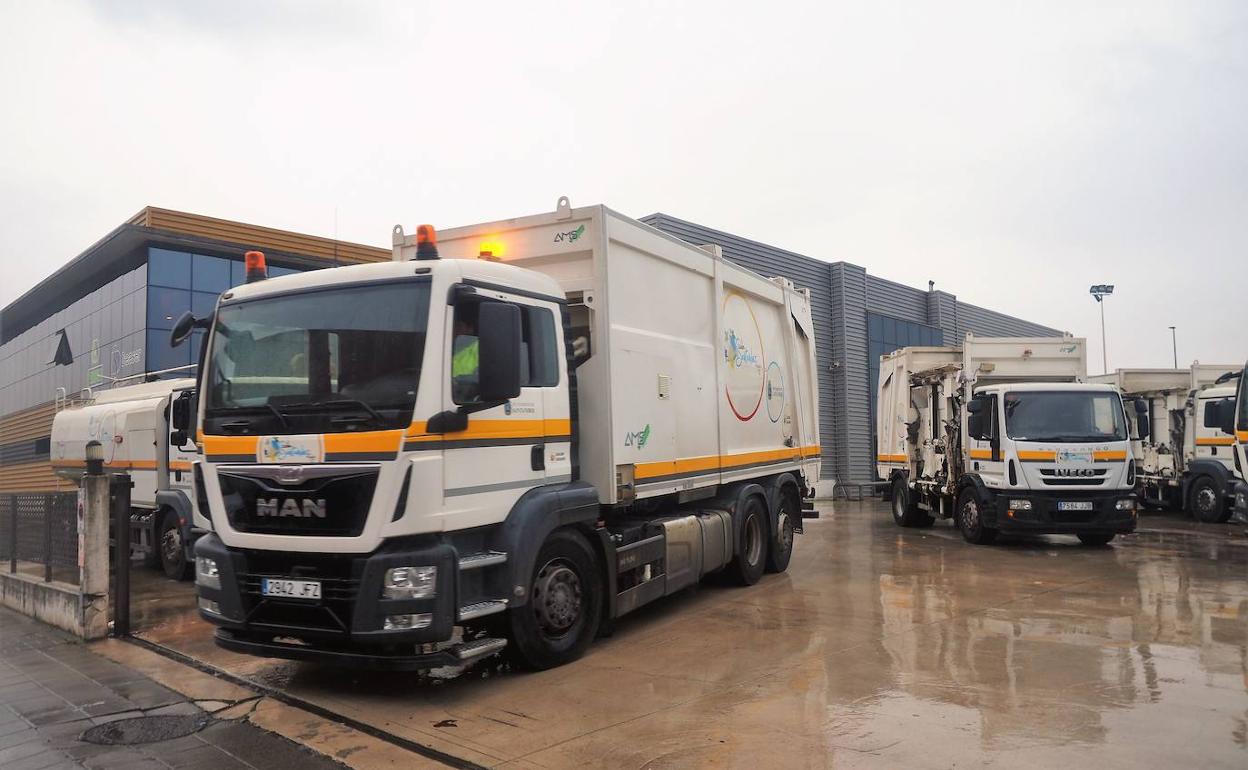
1003,435
1183,436
508,436
132,425
1239,422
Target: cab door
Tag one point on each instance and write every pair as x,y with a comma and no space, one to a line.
1211,443
983,444
508,449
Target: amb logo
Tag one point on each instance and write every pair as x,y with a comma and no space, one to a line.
570,235
639,438
1068,349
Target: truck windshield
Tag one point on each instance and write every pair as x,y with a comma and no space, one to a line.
1241,402
315,362
1064,416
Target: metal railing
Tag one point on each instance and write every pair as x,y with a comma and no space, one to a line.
39,534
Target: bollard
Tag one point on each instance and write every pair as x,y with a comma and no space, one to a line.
121,486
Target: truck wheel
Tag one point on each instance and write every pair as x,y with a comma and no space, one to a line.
565,603
748,565
1095,538
971,520
172,548
781,550
1208,504
906,512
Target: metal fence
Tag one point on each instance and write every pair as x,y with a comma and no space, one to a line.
39,534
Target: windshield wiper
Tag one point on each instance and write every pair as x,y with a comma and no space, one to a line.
373,414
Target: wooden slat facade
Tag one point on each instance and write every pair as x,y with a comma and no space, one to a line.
27,425
258,237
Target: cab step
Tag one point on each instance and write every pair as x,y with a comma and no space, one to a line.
481,609
483,559
479,647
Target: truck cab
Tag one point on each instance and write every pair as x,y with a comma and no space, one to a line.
1052,457
1240,424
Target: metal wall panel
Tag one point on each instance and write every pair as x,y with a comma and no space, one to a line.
897,300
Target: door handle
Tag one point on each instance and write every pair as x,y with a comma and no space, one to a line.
537,458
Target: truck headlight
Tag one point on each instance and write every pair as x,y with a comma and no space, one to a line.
1125,504
1020,505
407,622
206,573
410,583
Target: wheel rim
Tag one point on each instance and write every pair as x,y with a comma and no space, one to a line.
970,515
753,540
786,531
899,509
171,545
1206,501
557,598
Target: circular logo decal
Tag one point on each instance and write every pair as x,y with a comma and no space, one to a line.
743,358
775,392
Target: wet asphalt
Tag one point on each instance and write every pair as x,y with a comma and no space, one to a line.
880,647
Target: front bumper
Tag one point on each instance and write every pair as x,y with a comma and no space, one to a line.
1046,518
346,625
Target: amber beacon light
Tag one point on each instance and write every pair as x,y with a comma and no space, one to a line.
256,269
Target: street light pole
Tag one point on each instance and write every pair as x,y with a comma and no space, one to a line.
1100,291
1175,343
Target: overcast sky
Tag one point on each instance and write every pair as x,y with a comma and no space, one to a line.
1015,153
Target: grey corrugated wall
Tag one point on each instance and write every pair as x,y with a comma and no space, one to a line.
841,295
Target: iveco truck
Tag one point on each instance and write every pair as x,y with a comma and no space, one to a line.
1183,436
1004,435
507,437
132,426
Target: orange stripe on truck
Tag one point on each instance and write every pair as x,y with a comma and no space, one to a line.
1216,441
890,458
981,454
1036,456
713,463
485,429
365,441
1109,455
1242,435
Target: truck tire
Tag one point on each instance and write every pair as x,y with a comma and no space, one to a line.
1095,538
751,559
970,519
781,550
565,604
906,512
1206,501
172,548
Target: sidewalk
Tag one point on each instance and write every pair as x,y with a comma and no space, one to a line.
53,688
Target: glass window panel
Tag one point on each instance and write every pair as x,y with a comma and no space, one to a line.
238,272
875,325
274,272
889,333
169,268
165,305
211,274
161,356
203,303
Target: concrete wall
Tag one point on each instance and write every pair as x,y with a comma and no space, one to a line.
59,604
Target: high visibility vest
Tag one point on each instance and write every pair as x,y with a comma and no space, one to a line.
466,361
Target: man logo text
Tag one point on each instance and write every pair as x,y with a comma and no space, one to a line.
291,507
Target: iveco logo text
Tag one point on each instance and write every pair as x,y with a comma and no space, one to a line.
291,507
1073,472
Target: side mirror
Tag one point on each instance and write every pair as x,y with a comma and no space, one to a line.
1143,426
499,333
181,417
975,406
182,329
1141,406
1226,416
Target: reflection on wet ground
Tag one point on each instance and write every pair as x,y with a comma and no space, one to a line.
880,647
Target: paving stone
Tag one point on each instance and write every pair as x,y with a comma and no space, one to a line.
22,750
40,761
184,708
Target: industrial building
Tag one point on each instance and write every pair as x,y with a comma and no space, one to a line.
105,317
